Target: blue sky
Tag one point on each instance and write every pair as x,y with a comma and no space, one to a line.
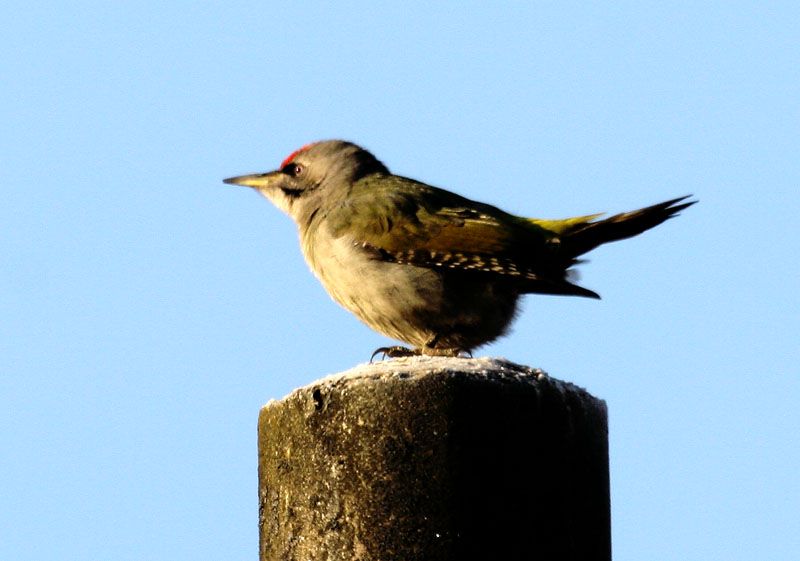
148,310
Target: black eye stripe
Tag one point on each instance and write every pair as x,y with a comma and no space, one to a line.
293,169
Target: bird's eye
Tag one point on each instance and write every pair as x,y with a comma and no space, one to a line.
293,169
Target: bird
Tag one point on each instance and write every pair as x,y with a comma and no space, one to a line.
422,265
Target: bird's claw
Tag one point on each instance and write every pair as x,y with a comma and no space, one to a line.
398,351
395,351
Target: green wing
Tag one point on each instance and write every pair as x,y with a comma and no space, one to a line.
404,221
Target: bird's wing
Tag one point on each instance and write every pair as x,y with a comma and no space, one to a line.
403,221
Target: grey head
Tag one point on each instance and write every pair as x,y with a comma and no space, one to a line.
314,176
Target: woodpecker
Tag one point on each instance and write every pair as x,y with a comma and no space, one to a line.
422,265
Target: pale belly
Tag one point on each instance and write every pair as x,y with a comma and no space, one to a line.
420,306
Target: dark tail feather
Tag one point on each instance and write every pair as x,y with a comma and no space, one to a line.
559,288
621,226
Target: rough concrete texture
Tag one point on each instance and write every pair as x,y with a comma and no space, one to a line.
434,459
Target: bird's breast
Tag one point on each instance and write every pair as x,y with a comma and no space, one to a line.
386,296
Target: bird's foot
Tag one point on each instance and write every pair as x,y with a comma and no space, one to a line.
456,353
398,351
395,351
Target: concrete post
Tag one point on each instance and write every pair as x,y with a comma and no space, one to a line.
434,459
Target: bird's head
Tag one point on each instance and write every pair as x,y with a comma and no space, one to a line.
316,175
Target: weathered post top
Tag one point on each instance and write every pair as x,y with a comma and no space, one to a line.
434,459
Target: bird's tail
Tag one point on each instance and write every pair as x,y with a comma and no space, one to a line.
576,236
588,235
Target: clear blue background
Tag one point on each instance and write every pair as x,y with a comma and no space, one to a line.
148,310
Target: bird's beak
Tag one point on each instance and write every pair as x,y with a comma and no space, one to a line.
256,180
